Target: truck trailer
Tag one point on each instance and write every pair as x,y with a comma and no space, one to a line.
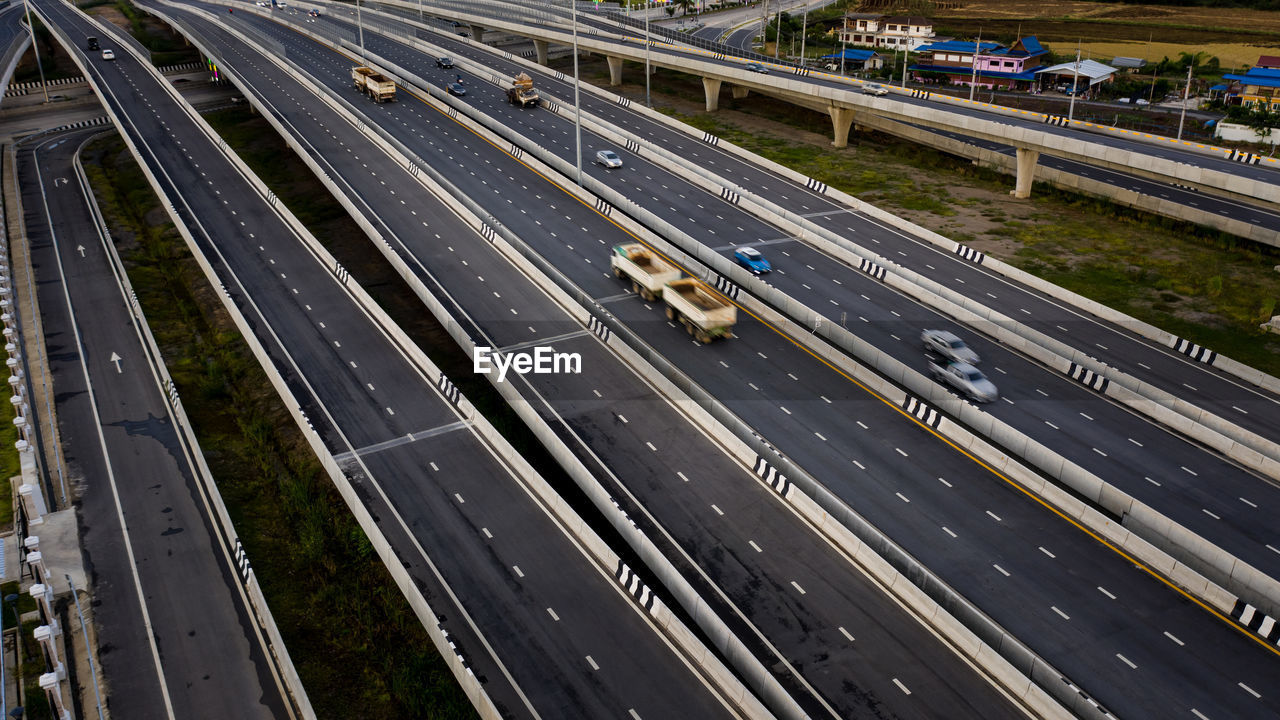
704,314
647,272
374,84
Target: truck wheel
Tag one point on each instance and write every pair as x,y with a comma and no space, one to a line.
617,272
703,337
635,287
647,295
688,326
671,313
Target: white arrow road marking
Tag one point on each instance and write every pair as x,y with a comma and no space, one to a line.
116,359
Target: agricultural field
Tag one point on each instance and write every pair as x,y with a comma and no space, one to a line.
1104,30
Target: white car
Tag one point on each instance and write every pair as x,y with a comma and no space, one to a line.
608,158
108,54
948,345
874,89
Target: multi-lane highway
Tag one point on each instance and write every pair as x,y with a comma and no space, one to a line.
706,505
752,368
533,622
159,559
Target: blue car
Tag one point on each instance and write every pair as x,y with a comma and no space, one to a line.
751,259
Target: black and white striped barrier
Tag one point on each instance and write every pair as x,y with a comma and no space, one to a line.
242,561
1086,698
770,474
922,94
1088,378
603,207
172,391
449,390
624,514
24,88
1241,156
1056,120
726,286
632,146
83,124
1251,617
636,587
801,71
488,233
974,256
553,107
624,102
922,412
816,185
341,273
710,139
729,196
1196,352
516,152
462,659
872,269
598,328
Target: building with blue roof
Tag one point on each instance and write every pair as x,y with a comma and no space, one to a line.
998,67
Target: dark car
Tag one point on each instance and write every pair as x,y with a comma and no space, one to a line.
756,68
751,259
456,88
444,62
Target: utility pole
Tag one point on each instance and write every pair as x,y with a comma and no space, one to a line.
804,26
1186,95
360,27
777,40
973,79
647,41
1075,86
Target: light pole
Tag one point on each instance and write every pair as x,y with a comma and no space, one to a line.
1075,86
973,79
36,49
360,28
777,40
844,44
647,41
1186,95
804,26
577,104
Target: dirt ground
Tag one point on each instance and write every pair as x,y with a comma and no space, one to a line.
1187,17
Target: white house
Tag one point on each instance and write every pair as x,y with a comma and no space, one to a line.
886,31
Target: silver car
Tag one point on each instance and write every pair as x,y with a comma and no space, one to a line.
948,345
609,159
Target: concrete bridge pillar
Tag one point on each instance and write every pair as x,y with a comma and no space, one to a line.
540,47
615,69
738,91
841,119
1026,172
712,87
477,33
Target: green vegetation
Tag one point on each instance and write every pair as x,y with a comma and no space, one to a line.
348,629
9,465
36,705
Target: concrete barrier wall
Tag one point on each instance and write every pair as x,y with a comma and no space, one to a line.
714,670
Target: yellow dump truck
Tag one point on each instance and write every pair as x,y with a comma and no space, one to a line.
703,313
647,272
522,93
374,84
